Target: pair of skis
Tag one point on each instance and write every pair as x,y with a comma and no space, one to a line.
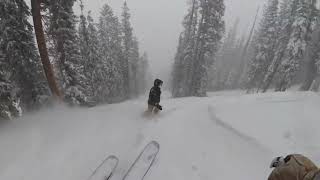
138,169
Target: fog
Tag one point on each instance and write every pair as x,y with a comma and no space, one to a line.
157,24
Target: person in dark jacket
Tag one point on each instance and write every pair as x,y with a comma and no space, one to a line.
154,97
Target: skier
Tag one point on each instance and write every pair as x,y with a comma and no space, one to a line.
154,97
294,167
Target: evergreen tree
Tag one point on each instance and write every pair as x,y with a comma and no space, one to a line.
316,48
198,44
312,53
83,34
21,76
111,54
264,45
286,18
94,61
312,60
89,50
127,41
130,63
134,67
189,42
62,32
183,65
177,73
300,35
143,74
85,51
210,31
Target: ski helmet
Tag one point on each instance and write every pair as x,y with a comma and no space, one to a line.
276,162
158,82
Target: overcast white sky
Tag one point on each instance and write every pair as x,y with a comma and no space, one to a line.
157,24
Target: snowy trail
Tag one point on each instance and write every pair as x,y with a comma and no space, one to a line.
239,134
201,138
284,122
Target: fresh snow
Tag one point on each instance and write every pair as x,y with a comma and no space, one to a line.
229,135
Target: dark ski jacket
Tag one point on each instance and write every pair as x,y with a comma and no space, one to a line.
154,96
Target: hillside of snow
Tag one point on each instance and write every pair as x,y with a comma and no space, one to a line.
228,135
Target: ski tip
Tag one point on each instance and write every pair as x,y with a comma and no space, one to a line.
155,143
112,157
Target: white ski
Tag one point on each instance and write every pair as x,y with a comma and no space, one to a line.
143,163
106,169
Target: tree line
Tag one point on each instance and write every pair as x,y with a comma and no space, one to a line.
77,61
286,46
283,50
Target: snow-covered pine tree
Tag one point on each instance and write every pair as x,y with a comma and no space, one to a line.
317,57
130,61
143,74
264,45
286,18
84,46
89,50
189,44
9,101
198,44
183,63
62,32
134,68
111,53
127,43
177,73
94,68
21,73
211,27
312,60
7,85
300,35
311,56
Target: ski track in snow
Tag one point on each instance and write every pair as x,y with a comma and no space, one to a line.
200,138
229,128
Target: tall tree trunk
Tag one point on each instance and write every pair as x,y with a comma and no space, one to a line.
189,42
37,20
196,76
191,21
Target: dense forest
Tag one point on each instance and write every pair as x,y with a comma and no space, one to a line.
280,50
76,59
48,53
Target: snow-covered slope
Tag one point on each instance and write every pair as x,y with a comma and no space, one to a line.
226,136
